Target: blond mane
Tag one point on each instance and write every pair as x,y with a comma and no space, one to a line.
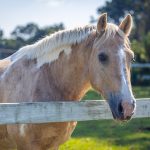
48,49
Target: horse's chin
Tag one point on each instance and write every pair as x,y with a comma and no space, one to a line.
121,119
119,112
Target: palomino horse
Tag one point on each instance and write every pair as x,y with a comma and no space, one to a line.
63,67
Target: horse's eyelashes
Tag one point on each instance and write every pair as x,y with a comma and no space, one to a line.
103,58
133,60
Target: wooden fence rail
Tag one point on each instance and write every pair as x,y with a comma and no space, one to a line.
42,112
140,65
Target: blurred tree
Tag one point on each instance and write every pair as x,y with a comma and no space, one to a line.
11,43
1,34
25,32
138,8
146,42
31,32
116,9
139,50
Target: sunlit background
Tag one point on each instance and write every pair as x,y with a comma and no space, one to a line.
46,12
23,22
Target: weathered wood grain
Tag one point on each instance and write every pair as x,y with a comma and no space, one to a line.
41,112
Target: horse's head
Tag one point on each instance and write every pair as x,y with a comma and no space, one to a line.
109,67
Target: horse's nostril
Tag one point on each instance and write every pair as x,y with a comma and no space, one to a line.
128,109
120,108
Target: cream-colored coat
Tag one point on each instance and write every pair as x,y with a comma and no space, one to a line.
66,74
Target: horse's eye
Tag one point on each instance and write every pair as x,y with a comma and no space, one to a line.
103,57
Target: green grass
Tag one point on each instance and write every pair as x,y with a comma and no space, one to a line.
109,134
141,92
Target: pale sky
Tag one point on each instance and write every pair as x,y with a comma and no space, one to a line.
46,12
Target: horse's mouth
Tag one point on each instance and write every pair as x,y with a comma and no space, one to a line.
120,117
121,110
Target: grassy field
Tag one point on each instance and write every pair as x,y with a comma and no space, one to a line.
111,135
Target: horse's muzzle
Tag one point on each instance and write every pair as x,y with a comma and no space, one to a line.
121,109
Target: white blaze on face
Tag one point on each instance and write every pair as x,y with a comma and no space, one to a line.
125,90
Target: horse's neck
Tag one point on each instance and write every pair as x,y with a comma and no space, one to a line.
68,75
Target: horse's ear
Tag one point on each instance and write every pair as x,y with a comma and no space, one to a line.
126,24
102,23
